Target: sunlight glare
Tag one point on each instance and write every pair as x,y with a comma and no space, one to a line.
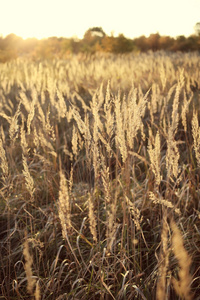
66,18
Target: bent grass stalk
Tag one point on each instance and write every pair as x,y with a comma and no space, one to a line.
183,285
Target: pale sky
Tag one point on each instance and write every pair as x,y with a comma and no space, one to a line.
67,18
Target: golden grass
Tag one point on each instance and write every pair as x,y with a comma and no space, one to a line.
99,156
161,290
29,182
183,285
4,163
196,136
154,154
64,207
92,218
28,268
37,291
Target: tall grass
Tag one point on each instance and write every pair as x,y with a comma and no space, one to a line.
100,177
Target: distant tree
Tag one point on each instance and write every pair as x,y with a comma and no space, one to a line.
94,33
193,43
54,45
153,41
108,44
179,43
13,42
75,45
186,44
11,47
166,42
42,51
66,46
141,43
122,44
92,39
29,45
197,28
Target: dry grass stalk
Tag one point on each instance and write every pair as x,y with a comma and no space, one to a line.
132,119
28,268
196,137
44,142
13,130
154,154
37,291
41,114
7,118
61,105
96,159
3,159
135,212
172,156
97,126
24,144
185,109
163,202
74,142
87,138
24,100
2,134
71,180
183,285
155,98
92,218
84,129
164,262
48,128
64,207
28,178
110,127
96,103
110,205
36,138
120,131
32,110
109,118
175,114
163,77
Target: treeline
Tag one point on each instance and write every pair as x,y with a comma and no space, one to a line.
94,40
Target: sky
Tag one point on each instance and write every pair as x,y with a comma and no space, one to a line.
71,18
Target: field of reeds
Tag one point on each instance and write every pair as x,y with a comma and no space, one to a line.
100,177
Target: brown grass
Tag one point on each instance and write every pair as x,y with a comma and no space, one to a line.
183,285
161,290
100,166
28,268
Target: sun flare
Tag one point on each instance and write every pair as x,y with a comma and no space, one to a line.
65,18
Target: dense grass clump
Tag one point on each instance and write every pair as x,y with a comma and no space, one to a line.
100,177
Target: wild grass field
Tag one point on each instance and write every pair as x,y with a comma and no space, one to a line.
100,177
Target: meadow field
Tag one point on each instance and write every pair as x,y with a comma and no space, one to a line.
100,177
